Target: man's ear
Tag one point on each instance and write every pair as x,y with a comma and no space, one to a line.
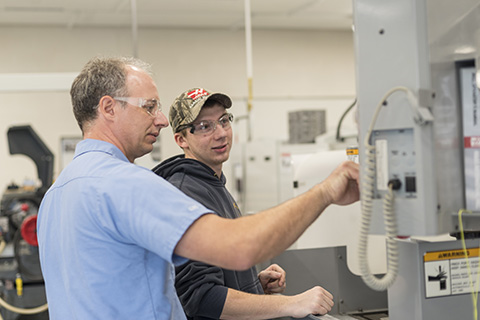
106,107
181,140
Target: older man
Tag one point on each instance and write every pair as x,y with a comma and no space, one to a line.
110,232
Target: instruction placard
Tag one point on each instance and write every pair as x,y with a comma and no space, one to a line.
448,273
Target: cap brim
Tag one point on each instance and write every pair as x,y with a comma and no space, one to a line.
223,99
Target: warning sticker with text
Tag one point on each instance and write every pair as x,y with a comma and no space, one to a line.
448,273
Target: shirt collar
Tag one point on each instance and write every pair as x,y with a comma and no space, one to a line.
89,145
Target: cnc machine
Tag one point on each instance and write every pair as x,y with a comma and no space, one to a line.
418,139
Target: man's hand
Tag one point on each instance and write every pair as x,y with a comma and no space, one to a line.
273,279
342,185
314,301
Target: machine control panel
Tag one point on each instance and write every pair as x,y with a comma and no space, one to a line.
395,161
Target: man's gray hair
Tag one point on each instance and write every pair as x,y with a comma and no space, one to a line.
101,77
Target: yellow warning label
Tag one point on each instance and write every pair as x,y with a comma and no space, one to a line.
352,151
451,254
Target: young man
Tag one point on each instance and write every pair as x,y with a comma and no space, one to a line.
110,232
202,128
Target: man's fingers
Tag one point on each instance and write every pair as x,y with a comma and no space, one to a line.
270,275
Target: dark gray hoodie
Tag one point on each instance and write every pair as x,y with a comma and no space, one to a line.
202,288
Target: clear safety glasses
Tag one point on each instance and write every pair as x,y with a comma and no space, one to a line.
151,106
207,127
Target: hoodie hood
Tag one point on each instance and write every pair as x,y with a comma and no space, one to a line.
179,164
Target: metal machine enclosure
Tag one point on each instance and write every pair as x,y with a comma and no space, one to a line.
328,268
415,44
409,298
418,45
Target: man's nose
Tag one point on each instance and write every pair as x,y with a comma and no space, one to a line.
161,120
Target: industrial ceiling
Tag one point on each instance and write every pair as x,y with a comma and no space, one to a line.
224,14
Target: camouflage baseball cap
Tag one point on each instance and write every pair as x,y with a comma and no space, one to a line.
187,106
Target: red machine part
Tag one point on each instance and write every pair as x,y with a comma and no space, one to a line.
29,230
24,207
